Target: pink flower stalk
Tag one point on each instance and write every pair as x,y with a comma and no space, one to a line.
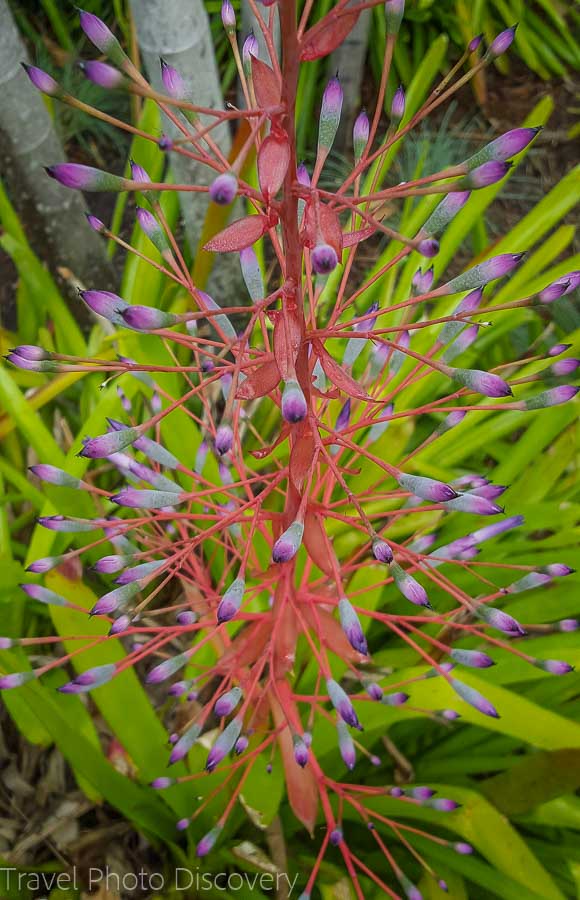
271,538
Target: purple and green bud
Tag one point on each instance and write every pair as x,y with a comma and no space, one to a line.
115,599
426,488
395,698
346,745
120,624
32,365
398,105
161,784
474,658
423,281
428,247
485,383
106,304
399,356
102,74
231,601
223,189
167,668
182,746
288,544
294,406
472,503
565,366
394,11
32,352
382,552
474,698
443,213
482,274
15,680
208,841
241,744
469,304
409,587
151,227
85,178
42,81
300,750
44,595
68,524
552,397
224,744
172,81
252,273
491,531
553,291
360,134
329,115
40,566
486,174
224,440
351,626
568,625
442,804
105,444
102,37
502,42
463,848
250,48
503,148
374,691
553,666
147,318
144,570
87,681
225,705
53,475
341,702
228,17
475,43
500,620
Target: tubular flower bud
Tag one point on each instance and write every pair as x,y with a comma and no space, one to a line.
287,545
167,668
87,681
472,503
397,698
30,351
503,148
160,784
567,625
444,212
552,397
105,304
500,620
474,698
463,848
228,17
398,105
103,74
553,666
53,475
343,417
172,81
486,174
300,750
428,247
105,444
502,42
552,291
482,382
346,745
324,259
475,43
85,178
231,601
120,624
147,318
360,134
102,37
469,304
223,189
394,10
374,691
491,531
250,48
151,227
329,115
352,627
207,842
336,837
115,599
67,524
382,552
340,700
182,747
565,366
43,595
294,406
473,658
224,744
241,744
252,273
40,566
482,274
224,440
409,588
15,679
32,365
226,704
42,81
427,488
144,570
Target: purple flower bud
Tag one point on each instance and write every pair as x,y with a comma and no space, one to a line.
421,793
15,679
329,115
397,792
346,745
428,247
427,488
482,274
183,745
114,599
172,81
182,824
374,690
491,531
342,704
503,148
423,281
31,365
53,475
179,688
42,81
351,626
500,620
360,134
40,566
442,804
396,698
444,212
87,681
487,174
226,704
475,43
443,885
300,750
394,10
160,784
382,552
95,223
287,545
224,440
557,570
167,668
552,291
450,714
335,837
120,624
558,348
105,444
99,35
474,698
554,666
453,419
324,259
485,383
552,397
103,74
186,617
231,601
409,588
398,105
228,16
105,304
207,843
67,524
43,595
224,744
223,189
565,366
144,570
147,318
343,417
32,352
85,178
567,625
502,42
489,491
241,744
463,848
250,48
474,658
294,406
302,175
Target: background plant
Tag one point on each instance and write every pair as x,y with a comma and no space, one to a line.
129,715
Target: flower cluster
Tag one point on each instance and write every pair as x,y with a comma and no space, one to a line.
242,563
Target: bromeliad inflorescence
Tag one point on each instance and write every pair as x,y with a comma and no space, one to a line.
260,568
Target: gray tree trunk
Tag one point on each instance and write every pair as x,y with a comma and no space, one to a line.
349,61
179,31
52,215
